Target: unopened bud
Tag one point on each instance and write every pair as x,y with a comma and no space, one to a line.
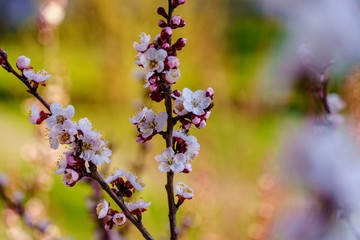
210,93
162,23
176,3
161,11
176,93
180,43
166,33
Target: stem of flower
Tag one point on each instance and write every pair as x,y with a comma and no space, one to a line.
168,138
32,90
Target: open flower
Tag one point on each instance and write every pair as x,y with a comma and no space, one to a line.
144,42
70,177
152,123
171,162
60,118
61,166
139,116
36,117
119,218
93,147
102,209
172,75
118,174
38,77
184,191
195,102
153,60
135,181
140,205
179,108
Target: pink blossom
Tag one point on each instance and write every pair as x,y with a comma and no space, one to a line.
175,20
173,62
70,177
36,117
179,108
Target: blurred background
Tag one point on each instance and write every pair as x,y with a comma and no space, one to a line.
86,45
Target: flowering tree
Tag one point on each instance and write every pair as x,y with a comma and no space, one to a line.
86,148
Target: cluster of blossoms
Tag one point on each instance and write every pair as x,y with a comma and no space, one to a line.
148,124
85,143
159,59
111,216
35,78
86,147
193,107
122,188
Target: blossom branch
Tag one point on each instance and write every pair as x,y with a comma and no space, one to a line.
118,200
170,126
32,89
61,116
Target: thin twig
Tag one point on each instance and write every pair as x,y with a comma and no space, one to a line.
168,138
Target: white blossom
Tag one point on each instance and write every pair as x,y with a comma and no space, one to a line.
119,218
140,204
184,191
23,62
195,102
153,60
135,181
152,123
169,161
118,174
143,43
102,209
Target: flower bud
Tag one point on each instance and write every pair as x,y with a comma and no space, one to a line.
176,3
166,46
202,124
175,93
162,23
180,43
175,21
156,96
166,33
182,23
195,119
22,62
161,11
173,62
210,93
3,55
